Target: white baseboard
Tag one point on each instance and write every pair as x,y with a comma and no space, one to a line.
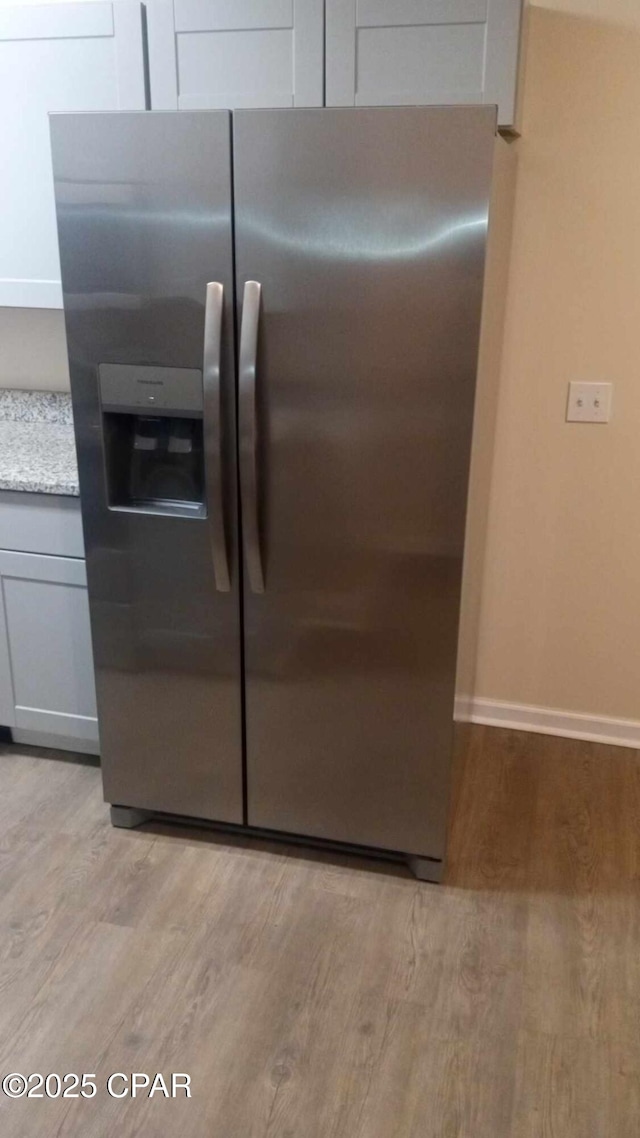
548,721
58,742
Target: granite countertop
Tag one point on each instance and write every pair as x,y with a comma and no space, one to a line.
37,445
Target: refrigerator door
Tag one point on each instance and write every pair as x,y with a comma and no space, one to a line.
144,218
360,246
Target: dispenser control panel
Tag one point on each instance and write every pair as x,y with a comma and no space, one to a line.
159,390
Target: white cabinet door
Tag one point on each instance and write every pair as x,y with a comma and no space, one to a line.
53,57
394,52
235,53
46,614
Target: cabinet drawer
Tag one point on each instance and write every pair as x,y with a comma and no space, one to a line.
41,523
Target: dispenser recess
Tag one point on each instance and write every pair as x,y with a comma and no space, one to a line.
153,439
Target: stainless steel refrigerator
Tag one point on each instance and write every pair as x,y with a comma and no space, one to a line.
273,322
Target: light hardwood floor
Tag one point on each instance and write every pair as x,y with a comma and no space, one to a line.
320,997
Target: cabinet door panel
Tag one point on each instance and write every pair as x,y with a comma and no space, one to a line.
49,640
54,57
394,52
235,53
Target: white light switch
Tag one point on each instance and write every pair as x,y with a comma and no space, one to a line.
589,402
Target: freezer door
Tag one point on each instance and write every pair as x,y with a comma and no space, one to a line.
360,245
144,218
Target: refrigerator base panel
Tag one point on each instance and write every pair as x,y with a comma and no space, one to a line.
423,868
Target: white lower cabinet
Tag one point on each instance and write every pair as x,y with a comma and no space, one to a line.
47,688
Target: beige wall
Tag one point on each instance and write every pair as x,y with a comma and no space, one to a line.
495,298
560,613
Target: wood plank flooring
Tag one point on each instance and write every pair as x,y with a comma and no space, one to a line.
311,996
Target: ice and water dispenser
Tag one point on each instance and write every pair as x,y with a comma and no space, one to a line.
153,438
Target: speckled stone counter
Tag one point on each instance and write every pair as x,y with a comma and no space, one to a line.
37,446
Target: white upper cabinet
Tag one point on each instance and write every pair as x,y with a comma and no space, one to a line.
394,52
89,55
235,53
53,57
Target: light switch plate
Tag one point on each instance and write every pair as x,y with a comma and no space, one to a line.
589,402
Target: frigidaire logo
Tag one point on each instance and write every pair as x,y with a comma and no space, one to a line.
152,382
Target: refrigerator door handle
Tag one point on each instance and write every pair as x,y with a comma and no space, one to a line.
212,430
248,432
